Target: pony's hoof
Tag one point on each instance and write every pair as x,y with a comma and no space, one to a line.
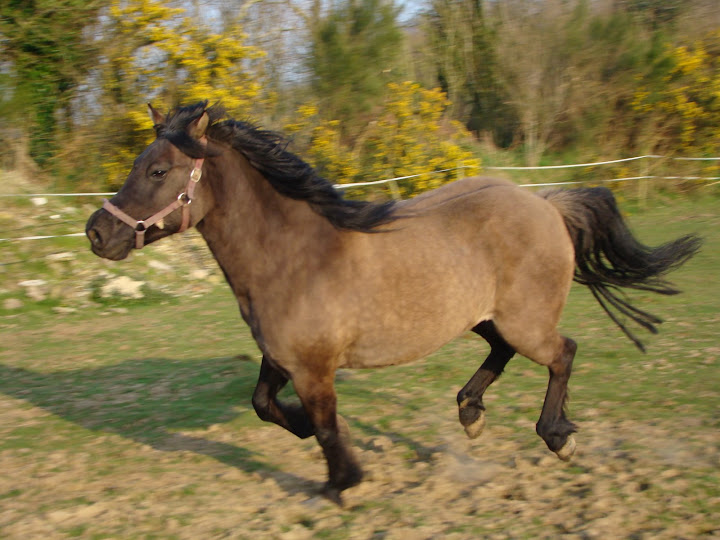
568,449
476,428
333,494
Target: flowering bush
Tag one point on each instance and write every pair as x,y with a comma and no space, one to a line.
162,54
409,136
688,97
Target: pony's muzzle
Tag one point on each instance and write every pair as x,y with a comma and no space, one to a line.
104,241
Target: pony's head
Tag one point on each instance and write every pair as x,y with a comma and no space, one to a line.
155,200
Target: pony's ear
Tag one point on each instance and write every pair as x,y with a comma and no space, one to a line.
197,128
155,116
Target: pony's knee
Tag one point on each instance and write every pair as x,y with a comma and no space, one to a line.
261,404
569,349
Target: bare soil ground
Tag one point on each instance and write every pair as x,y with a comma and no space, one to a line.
627,480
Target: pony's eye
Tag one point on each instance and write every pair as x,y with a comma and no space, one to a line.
158,174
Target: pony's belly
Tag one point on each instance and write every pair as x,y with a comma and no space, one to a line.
382,358
388,349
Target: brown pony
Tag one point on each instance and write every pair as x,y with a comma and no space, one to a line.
325,282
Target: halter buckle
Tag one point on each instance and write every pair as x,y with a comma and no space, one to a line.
196,174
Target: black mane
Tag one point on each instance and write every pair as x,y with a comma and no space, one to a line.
287,173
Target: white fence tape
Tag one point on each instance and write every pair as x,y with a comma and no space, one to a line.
385,181
31,195
571,165
611,162
42,237
708,178
509,168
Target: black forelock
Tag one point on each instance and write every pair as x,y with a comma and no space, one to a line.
177,121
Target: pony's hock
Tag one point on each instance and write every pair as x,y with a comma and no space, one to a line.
319,292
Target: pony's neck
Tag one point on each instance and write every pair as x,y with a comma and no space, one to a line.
253,231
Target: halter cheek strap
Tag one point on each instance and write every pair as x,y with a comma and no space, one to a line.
183,201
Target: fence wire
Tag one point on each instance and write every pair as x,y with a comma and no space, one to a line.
714,179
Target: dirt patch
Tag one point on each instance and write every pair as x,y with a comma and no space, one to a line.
627,480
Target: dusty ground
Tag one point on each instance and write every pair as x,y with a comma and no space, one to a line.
627,480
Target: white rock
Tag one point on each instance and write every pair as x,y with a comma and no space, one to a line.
12,303
36,289
199,274
158,265
33,283
62,256
64,310
123,286
38,201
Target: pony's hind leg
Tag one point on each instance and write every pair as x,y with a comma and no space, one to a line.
553,426
268,408
470,403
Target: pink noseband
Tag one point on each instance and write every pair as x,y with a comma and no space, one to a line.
183,201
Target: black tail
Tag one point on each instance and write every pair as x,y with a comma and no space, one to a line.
608,256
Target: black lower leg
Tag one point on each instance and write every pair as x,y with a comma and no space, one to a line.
470,397
269,409
343,469
553,425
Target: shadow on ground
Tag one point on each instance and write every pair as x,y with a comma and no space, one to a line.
150,400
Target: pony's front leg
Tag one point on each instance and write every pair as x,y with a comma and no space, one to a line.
270,409
317,394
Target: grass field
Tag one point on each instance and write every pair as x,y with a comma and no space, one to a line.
138,424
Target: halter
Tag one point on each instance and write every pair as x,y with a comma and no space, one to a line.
183,201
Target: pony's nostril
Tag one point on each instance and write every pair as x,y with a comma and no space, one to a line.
95,238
